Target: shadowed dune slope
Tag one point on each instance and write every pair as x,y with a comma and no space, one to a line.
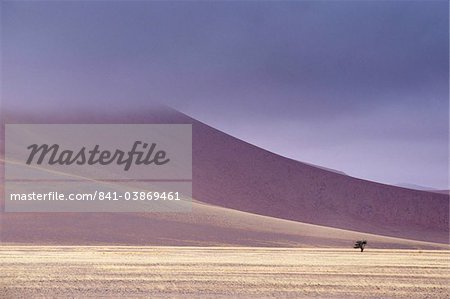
233,174
207,225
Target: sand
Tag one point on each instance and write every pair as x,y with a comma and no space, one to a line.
221,272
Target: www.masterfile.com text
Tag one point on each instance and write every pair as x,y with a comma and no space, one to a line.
97,195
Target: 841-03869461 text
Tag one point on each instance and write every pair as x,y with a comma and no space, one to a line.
98,195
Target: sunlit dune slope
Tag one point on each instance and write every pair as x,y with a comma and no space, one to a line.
233,177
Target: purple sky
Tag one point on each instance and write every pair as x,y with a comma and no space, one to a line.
360,87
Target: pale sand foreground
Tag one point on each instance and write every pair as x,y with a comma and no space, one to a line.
173,272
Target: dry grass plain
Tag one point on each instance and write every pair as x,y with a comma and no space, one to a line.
220,272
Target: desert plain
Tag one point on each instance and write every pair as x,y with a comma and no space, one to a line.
221,272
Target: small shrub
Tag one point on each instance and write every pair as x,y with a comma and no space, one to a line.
361,244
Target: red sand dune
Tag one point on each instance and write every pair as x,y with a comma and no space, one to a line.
246,181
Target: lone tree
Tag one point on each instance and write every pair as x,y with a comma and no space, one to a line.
360,244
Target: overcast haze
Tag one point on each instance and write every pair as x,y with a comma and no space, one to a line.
360,87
